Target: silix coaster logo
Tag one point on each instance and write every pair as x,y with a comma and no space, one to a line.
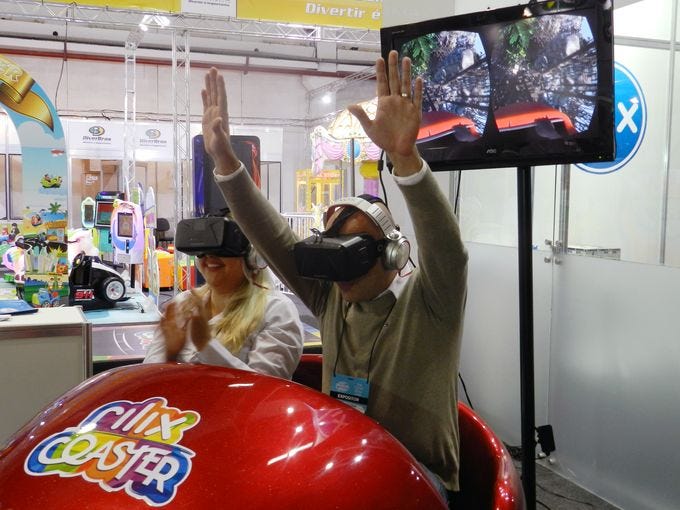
130,446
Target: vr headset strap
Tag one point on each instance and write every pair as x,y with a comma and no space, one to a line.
373,210
339,221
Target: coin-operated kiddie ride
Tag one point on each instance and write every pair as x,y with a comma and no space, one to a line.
199,436
94,285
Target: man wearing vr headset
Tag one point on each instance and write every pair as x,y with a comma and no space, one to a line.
236,319
391,344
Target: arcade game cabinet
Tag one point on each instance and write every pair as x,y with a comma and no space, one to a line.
102,218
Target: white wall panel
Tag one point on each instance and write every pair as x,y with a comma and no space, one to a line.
490,352
615,379
623,209
655,13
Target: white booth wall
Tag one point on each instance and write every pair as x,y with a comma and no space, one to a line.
606,331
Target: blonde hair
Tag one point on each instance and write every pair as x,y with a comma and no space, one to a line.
243,312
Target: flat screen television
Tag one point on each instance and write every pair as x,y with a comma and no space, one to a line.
518,86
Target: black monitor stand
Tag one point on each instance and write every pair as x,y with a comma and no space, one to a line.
526,334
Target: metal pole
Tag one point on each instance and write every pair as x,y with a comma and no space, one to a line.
526,334
352,184
181,117
669,130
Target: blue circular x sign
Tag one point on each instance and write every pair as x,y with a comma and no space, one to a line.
630,121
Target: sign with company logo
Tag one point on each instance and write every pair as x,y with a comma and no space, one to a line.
155,5
630,121
133,447
154,142
95,138
223,8
340,13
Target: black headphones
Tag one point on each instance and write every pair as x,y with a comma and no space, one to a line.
397,248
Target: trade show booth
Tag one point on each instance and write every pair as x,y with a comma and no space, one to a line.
551,127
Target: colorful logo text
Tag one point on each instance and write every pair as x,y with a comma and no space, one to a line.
123,445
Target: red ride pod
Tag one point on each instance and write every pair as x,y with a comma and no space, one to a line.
197,436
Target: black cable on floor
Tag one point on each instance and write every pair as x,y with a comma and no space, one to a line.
542,504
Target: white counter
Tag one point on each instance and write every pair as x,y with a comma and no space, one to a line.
42,356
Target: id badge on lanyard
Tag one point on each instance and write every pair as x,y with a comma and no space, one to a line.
351,390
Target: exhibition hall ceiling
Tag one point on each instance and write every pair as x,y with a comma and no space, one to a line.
60,29
54,29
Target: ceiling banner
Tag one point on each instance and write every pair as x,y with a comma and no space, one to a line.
340,13
142,5
366,14
214,8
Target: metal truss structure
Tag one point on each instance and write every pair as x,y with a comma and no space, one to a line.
199,25
181,117
133,25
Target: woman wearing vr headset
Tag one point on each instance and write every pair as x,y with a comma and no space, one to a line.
393,339
236,319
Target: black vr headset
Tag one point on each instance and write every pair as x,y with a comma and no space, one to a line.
329,256
216,236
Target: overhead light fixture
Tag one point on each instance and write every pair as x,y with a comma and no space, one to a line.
327,98
154,19
161,21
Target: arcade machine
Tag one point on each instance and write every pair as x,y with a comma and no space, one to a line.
127,235
94,285
102,221
87,211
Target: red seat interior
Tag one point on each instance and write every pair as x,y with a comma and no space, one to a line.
488,478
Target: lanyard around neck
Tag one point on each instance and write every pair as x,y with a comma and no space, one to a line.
375,340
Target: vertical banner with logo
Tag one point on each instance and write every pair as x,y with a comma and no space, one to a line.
41,235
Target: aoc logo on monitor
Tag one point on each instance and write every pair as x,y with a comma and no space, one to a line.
122,446
630,121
